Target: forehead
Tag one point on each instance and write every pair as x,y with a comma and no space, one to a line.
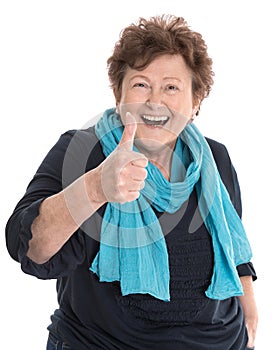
165,66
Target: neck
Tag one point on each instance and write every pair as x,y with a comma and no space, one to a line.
160,157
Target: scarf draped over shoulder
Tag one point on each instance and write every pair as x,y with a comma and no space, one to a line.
132,245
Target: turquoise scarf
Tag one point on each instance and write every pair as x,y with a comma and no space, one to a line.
133,248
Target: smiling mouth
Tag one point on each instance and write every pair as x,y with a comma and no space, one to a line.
154,120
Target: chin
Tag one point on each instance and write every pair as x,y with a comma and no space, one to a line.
154,143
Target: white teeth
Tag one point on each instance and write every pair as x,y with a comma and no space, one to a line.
155,119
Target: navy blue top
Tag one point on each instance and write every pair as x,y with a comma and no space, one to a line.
94,315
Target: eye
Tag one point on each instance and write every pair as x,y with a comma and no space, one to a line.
172,88
140,85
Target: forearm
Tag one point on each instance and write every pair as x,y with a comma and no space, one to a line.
119,178
249,306
62,214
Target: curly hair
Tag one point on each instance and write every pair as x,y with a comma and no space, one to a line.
141,43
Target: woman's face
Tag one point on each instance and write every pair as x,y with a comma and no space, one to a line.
160,98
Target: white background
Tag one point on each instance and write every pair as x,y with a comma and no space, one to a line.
53,77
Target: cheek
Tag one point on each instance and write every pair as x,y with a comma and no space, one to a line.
131,96
125,107
179,122
182,105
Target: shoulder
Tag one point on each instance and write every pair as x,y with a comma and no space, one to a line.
83,140
82,145
79,134
221,156
218,149
75,152
227,171
72,143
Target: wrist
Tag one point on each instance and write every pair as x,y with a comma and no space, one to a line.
94,188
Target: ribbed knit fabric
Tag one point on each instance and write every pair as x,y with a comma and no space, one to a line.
191,264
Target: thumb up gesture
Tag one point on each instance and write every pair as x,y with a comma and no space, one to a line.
123,172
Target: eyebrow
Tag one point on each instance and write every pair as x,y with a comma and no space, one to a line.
145,77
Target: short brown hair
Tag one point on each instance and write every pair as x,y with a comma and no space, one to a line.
141,43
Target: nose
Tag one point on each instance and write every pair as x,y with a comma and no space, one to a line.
155,96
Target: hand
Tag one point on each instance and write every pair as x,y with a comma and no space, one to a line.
249,306
123,172
251,330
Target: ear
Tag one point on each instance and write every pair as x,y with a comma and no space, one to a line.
117,95
117,108
196,107
117,101
195,112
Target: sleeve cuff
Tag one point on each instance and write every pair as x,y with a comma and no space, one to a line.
25,235
64,261
247,270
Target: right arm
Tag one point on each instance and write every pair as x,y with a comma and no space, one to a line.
53,208
62,214
119,178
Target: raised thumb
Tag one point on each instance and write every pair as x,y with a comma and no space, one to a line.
130,128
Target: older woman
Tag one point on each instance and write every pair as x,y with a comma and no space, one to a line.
138,216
